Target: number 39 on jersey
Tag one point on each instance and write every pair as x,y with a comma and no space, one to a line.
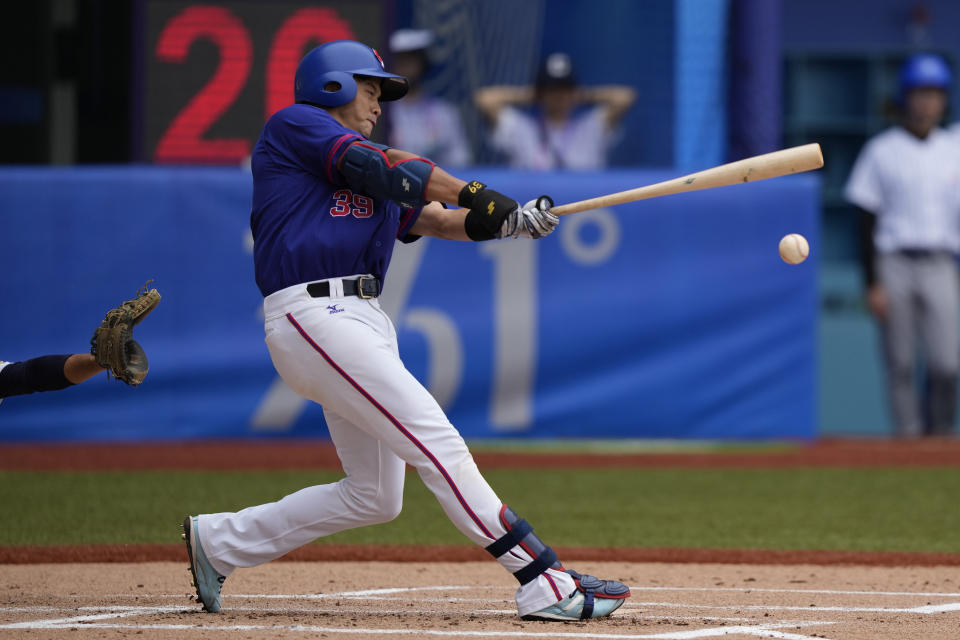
347,202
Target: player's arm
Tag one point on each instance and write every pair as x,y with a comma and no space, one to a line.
440,187
864,190
615,99
437,222
533,220
394,174
876,295
413,181
868,252
46,373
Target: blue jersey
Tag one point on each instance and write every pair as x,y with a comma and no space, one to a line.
307,224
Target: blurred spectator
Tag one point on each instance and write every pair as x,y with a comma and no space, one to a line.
906,183
570,127
423,124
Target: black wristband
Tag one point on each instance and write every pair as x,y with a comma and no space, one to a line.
487,212
475,228
469,193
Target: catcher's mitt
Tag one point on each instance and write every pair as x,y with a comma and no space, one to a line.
113,345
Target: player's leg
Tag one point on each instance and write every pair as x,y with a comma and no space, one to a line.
370,493
348,363
939,291
899,335
352,366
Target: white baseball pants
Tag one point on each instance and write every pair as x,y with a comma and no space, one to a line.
341,352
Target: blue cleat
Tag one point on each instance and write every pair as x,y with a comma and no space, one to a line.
205,578
593,598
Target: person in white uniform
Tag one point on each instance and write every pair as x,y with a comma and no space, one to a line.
328,207
569,127
906,182
421,123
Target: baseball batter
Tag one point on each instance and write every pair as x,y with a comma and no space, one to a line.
328,205
906,182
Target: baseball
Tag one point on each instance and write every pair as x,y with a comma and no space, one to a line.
794,248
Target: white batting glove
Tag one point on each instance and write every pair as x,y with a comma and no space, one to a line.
533,220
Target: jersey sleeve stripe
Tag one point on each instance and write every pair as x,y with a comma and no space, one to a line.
337,146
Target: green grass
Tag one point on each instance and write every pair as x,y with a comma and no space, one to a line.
840,509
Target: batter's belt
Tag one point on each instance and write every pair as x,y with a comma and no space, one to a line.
363,287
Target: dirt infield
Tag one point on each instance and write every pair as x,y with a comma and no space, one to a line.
438,600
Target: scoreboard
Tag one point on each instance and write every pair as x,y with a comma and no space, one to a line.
209,74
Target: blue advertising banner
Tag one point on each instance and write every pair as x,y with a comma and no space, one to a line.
667,318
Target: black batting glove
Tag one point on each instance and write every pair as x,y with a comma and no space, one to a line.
488,210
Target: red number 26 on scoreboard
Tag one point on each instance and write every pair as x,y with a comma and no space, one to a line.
183,140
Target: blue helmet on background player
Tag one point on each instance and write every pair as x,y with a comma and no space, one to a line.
338,62
924,70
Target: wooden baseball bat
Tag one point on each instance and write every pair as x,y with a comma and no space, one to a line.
768,165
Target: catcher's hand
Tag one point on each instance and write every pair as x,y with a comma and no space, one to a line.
113,345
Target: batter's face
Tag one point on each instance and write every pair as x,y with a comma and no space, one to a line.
361,113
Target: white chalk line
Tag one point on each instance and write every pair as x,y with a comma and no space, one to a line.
922,610
925,609
831,592
372,593
75,621
284,610
379,594
629,603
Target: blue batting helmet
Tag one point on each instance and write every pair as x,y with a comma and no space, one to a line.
924,70
339,62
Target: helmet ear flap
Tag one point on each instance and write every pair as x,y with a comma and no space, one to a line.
346,91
